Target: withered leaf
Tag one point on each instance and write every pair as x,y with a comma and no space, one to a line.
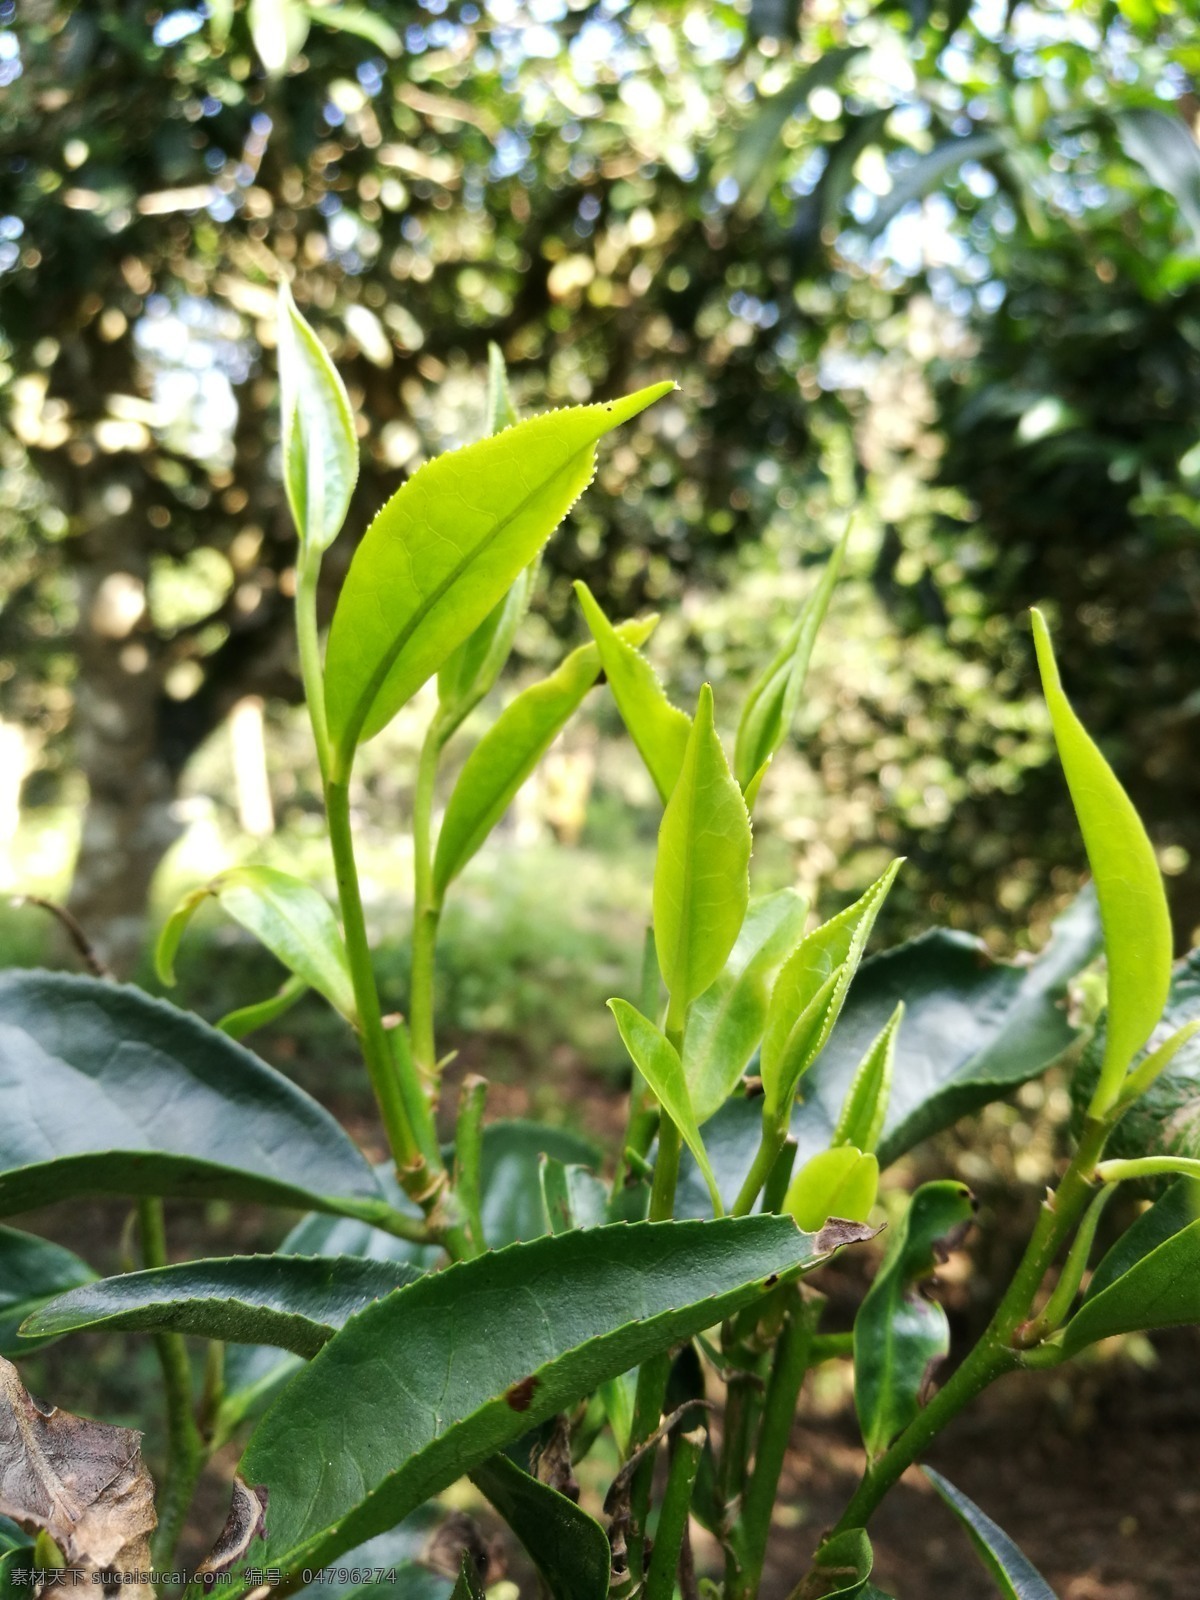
246,1520
79,1481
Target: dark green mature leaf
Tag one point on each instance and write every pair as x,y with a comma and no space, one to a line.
1015,1575
512,1209
917,180
1164,145
445,550
294,1302
726,1022
500,1344
106,1091
658,729
401,1550
32,1271
286,914
18,1559
774,697
1165,1120
1129,886
468,1586
657,1059
899,1334
1151,1276
569,1548
317,434
701,874
508,753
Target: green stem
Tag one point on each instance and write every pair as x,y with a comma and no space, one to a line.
307,576
999,1349
407,1117
426,910
770,1145
793,1356
186,1452
468,1157
673,1518
1054,1313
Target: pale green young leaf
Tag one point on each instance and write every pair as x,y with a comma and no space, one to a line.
247,1019
320,446
658,729
841,1182
701,874
899,1332
1015,1575
809,994
507,754
657,1059
1129,886
472,669
725,1023
501,413
865,1108
774,698
287,915
445,550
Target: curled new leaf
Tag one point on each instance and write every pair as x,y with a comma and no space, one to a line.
771,705
287,915
658,729
865,1108
701,873
320,446
899,1333
809,994
445,550
507,754
835,1183
657,1059
1129,886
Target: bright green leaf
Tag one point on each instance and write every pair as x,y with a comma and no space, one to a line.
899,1333
296,1303
835,1183
569,1548
287,915
658,729
32,1271
865,1108
774,698
701,874
505,757
657,1059
1015,1575
471,671
1129,886
809,994
500,1343
104,1090
501,413
320,446
445,550
725,1023
246,1019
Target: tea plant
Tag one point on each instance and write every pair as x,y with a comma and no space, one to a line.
493,1307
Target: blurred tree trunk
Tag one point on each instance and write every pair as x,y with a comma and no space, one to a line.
128,823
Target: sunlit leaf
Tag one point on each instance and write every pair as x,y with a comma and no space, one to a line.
1129,886
320,446
445,550
701,874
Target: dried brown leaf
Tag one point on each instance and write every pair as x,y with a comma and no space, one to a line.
82,1482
